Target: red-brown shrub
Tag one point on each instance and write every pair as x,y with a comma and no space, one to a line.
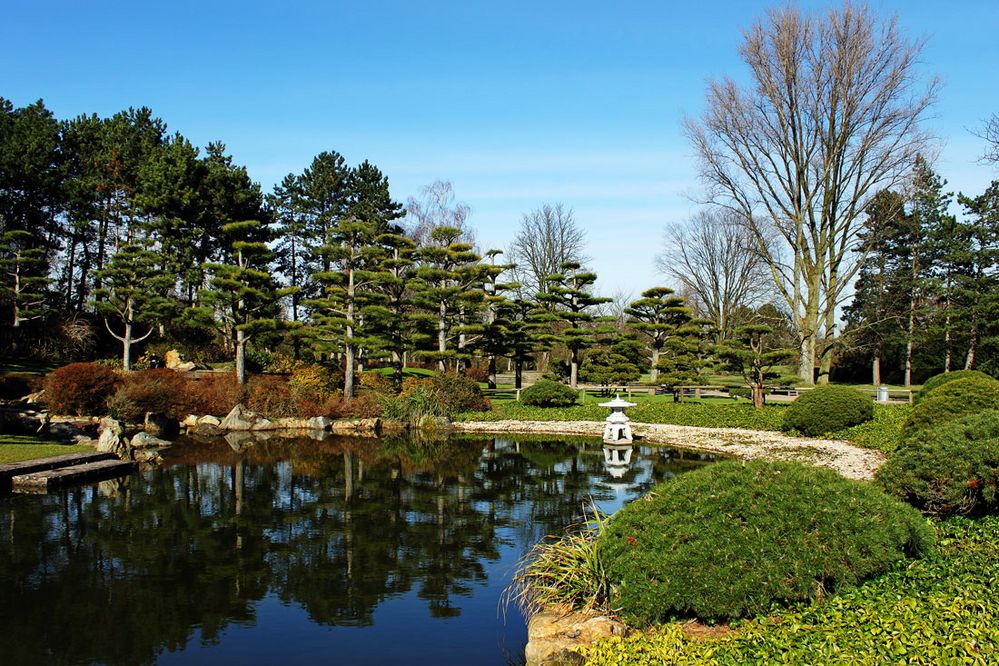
216,394
477,374
158,390
271,396
80,388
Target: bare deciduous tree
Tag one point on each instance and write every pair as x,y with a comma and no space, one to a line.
548,237
437,207
713,258
830,118
991,135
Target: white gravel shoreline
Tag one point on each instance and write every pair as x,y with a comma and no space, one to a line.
851,461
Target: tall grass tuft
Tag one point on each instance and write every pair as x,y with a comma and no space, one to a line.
563,573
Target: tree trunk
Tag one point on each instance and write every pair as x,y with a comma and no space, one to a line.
397,372
442,336
491,379
969,362
876,367
910,337
654,373
240,356
574,370
126,347
518,374
350,352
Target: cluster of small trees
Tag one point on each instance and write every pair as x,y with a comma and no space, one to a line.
116,222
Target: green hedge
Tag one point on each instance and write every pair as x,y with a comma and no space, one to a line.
549,393
951,469
951,401
936,381
734,539
827,409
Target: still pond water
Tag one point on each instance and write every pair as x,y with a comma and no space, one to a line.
342,551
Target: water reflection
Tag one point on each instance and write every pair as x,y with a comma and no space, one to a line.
398,547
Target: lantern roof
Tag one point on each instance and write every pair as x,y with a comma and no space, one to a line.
618,403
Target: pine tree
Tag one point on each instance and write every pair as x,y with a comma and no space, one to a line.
134,293
448,278
244,292
22,269
976,282
571,303
752,353
389,312
658,316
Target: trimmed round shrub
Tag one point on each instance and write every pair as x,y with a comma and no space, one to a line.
936,381
549,393
734,539
827,409
458,393
951,401
950,469
81,388
160,390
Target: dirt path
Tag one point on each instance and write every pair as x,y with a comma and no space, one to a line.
851,461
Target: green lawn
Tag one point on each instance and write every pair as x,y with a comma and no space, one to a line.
15,448
937,610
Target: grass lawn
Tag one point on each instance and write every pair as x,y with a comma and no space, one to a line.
15,448
937,610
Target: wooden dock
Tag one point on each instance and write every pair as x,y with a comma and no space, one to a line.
73,468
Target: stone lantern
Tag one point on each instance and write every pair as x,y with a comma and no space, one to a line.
617,429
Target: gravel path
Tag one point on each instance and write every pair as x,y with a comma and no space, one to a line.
851,461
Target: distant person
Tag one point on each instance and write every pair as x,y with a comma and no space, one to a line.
154,361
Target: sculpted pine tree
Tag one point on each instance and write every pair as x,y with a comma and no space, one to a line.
244,292
134,293
24,282
658,317
570,304
751,353
449,278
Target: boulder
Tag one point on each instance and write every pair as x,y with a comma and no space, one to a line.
173,359
112,439
355,425
190,421
209,420
552,637
161,425
148,456
260,423
318,423
239,418
145,440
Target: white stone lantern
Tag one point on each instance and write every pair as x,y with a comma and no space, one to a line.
618,427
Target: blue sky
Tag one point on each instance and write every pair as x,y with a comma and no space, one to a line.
515,103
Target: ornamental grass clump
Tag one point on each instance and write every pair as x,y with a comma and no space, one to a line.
563,573
736,539
827,409
936,381
549,393
951,401
948,470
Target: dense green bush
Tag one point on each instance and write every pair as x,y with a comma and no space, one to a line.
827,409
936,381
549,393
950,469
952,401
81,388
734,539
936,610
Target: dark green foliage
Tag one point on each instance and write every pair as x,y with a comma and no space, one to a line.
458,393
951,469
827,409
936,381
952,401
734,539
80,388
936,610
548,393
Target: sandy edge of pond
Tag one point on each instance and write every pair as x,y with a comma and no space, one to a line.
851,461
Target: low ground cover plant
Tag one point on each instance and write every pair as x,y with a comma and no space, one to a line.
735,539
960,397
827,409
934,610
549,393
81,388
950,469
936,381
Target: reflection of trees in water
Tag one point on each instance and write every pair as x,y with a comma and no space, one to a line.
336,526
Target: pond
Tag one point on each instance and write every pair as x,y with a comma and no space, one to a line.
347,550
